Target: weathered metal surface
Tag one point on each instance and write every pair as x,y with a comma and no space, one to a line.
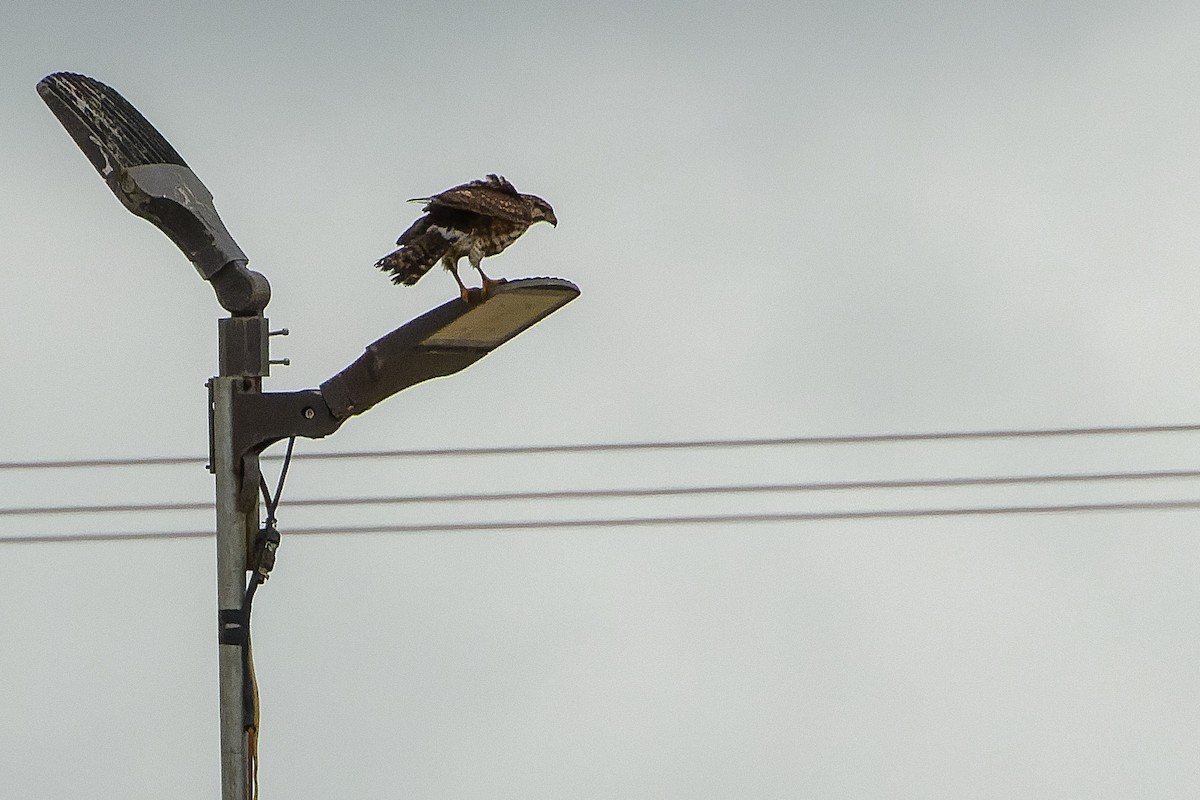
242,346
152,180
237,523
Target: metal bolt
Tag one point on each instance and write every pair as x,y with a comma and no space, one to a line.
283,362
280,332
309,413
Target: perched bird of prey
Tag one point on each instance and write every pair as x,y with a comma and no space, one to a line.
476,220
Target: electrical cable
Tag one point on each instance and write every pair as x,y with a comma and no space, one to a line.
260,566
272,503
869,438
590,494
624,522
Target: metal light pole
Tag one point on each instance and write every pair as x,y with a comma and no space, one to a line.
237,526
152,180
234,525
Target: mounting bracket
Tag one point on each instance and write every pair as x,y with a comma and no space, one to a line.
260,419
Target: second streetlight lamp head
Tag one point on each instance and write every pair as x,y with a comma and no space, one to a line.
151,179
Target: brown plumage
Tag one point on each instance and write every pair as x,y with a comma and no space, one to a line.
476,220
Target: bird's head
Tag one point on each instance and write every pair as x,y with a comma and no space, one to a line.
540,210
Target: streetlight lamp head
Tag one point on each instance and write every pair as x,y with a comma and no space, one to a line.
153,181
443,341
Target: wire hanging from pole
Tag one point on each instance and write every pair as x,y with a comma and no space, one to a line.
263,561
273,503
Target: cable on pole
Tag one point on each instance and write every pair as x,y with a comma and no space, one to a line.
272,503
261,563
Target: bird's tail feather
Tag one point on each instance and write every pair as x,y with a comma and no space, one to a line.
417,257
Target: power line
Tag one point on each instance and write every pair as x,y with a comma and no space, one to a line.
590,494
624,522
88,463
868,438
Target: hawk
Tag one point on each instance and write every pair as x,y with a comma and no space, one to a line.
476,220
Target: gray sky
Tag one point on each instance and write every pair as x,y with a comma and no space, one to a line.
789,219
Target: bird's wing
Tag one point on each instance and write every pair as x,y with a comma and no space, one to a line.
491,197
414,230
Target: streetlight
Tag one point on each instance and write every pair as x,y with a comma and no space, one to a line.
151,179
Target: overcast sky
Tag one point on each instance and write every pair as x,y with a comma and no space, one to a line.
786,219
